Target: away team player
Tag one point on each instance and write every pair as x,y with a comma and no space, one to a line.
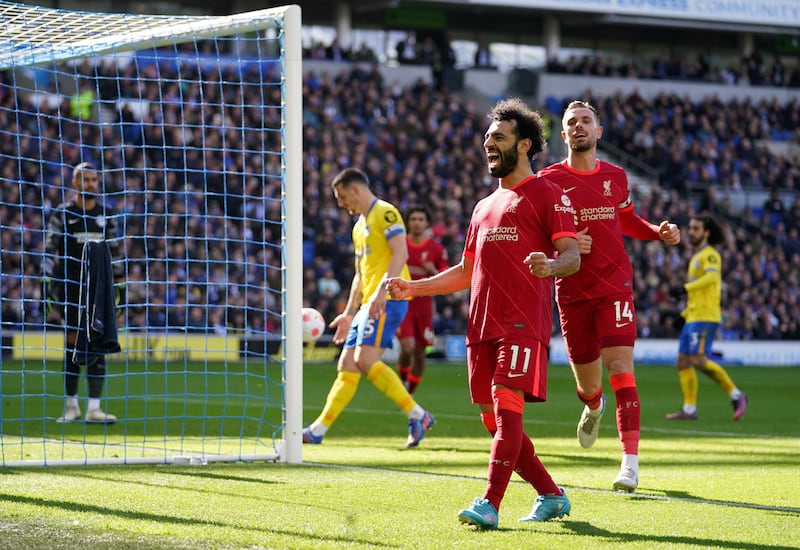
370,319
703,315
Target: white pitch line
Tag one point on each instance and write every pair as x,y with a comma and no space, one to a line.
645,496
549,422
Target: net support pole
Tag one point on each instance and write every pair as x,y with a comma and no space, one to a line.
292,155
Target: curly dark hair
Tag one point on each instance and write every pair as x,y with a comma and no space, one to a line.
528,125
715,233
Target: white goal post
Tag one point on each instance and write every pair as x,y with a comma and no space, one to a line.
194,126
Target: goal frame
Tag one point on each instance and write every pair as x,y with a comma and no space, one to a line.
176,30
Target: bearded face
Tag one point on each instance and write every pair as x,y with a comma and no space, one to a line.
503,161
583,144
580,129
501,148
697,233
86,182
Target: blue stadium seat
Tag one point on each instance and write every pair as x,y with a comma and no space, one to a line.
553,104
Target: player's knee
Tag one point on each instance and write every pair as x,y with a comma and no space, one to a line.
362,364
619,366
508,399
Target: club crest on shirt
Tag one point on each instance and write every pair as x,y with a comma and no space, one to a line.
607,188
512,207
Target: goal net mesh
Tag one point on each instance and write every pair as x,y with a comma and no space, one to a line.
192,124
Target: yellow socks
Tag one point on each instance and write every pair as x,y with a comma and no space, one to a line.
719,375
340,395
385,379
688,380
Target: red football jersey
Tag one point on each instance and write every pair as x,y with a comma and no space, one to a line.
506,226
597,197
422,253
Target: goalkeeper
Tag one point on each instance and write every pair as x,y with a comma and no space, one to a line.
71,224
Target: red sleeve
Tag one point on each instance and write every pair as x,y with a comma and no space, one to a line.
636,227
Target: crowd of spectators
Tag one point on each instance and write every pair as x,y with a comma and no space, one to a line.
200,198
710,143
334,51
750,70
433,48
425,147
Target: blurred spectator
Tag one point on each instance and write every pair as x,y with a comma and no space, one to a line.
328,286
773,208
81,106
364,53
335,51
483,57
407,50
193,246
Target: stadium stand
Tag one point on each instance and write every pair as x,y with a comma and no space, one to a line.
423,146
421,143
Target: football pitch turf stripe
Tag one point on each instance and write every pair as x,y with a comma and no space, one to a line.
476,417
645,496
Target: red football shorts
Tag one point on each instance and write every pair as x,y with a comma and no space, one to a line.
590,325
519,363
418,323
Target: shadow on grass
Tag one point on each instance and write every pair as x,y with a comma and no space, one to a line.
173,520
583,528
688,497
222,477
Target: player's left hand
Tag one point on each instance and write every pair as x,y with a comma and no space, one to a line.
584,241
669,233
539,264
377,304
48,297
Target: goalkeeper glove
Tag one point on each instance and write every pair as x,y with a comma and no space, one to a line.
48,296
120,295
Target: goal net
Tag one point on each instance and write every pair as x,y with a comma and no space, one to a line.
193,127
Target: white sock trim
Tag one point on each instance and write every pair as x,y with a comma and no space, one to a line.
416,413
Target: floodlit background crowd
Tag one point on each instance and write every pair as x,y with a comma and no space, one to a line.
202,245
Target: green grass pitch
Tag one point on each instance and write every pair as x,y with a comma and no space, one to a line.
710,483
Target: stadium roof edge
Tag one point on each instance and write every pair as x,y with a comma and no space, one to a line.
704,25
758,15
